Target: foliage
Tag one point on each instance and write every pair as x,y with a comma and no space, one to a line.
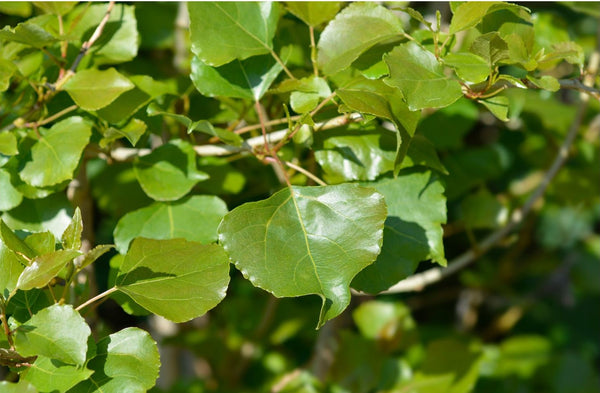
328,149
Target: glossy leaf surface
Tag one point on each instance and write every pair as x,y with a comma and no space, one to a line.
44,268
195,219
48,374
57,332
307,240
314,13
344,38
176,279
248,29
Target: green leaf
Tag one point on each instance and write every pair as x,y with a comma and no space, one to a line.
18,8
468,66
10,270
422,152
19,387
249,78
28,33
56,154
94,89
353,31
305,93
483,211
203,126
413,229
569,51
8,144
307,240
94,254
12,242
55,7
420,77
57,332
176,279
118,42
169,172
127,104
376,98
195,219
545,82
71,237
44,268
314,13
355,152
379,320
471,13
10,197
133,131
52,214
490,47
248,29
41,242
126,361
498,105
49,375
7,70
416,15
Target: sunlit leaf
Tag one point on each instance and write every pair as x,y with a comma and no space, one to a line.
94,89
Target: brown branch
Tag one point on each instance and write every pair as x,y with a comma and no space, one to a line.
88,44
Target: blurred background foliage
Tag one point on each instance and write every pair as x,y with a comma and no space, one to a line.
524,318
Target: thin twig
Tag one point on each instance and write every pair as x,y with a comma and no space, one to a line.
313,50
95,298
88,44
51,118
419,281
305,172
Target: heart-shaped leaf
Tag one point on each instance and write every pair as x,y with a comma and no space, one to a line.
169,172
344,38
57,332
307,240
176,279
247,28
195,218
95,89
314,13
56,154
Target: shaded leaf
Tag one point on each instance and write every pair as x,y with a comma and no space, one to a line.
354,30
55,7
7,70
133,131
203,126
385,321
119,40
355,152
44,268
249,78
176,279
52,214
18,8
49,375
127,104
545,82
94,89
490,47
305,93
28,33
471,13
422,152
169,172
41,242
18,387
413,229
126,361
71,237
498,105
314,13
11,268
248,29
56,154
307,240
195,218
12,242
420,77
10,197
57,332
483,211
